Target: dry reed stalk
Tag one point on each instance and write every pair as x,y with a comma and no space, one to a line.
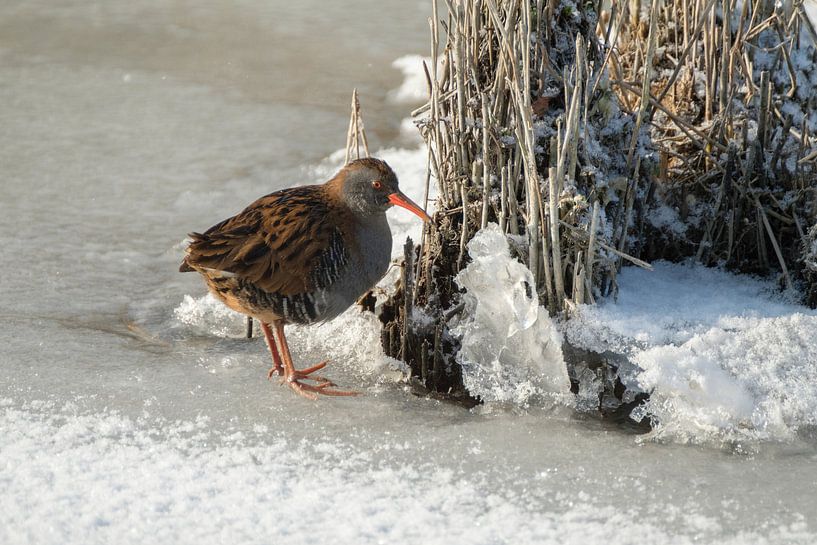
356,134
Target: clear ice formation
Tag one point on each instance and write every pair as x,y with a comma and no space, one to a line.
511,350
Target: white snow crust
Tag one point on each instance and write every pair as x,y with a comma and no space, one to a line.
104,478
414,88
724,357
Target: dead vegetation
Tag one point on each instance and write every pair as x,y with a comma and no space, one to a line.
666,130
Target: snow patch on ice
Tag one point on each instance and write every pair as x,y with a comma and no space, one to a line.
210,316
104,478
511,351
351,341
724,357
747,377
414,88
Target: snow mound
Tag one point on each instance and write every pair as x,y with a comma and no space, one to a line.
723,357
511,351
747,377
351,341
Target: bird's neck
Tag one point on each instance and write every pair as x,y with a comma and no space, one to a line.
334,186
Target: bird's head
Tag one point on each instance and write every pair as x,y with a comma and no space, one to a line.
369,187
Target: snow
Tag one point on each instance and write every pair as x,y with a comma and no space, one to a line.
355,335
724,357
209,316
747,378
414,88
511,350
810,8
664,217
105,478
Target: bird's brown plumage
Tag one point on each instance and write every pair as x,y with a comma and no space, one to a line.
285,242
277,243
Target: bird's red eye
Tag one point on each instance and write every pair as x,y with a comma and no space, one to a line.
376,184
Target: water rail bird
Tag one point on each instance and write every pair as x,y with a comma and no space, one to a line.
302,255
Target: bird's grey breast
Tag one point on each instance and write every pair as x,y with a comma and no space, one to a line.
375,251
368,260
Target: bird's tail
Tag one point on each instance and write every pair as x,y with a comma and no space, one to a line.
185,266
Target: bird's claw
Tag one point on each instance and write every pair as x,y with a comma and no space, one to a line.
308,391
306,374
301,374
324,386
310,370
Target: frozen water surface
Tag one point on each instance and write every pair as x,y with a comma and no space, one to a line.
132,411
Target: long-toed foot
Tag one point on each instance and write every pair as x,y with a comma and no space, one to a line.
325,388
275,370
306,374
295,377
303,374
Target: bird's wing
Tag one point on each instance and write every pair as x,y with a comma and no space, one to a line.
288,242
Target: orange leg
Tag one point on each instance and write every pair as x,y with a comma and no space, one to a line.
293,377
277,368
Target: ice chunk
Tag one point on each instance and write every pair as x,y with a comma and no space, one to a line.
511,351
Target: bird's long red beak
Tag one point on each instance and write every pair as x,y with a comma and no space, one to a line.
400,199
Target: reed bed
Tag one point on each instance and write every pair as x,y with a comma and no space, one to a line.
665,129
732,96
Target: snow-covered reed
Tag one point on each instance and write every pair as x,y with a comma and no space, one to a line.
671,129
